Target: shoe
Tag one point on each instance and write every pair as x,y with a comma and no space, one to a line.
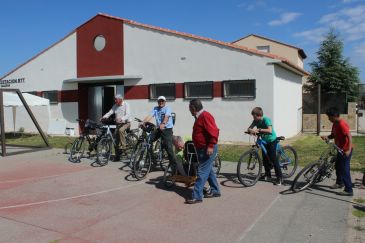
211,195
265,177
193,201
206,190
345,193
278,182
336,186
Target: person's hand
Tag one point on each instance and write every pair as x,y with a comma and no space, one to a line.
162,126
210,151
101,119
347,153
141,124
324,138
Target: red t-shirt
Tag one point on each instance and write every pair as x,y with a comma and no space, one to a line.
340,130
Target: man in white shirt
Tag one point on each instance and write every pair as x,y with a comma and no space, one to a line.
122,113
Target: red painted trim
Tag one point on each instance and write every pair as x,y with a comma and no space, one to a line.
217,89
136,92
106,62
179,90
68,96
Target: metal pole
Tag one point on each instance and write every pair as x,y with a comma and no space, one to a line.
318,109
3,145
32,117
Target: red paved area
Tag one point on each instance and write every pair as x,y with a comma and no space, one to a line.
43,197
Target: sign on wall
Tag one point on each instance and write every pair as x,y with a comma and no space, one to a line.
8,82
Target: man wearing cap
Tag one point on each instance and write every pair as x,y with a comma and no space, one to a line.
162,115
122,113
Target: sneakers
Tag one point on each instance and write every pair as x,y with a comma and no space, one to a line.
345,193
211,195
278,182
336,186
265,177
193,201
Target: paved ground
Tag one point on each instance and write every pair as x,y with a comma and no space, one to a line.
45,198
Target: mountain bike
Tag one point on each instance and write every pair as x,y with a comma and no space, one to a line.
107,142
250,164
146,153
86,141
317,171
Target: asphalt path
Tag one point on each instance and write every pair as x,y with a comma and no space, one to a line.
44,198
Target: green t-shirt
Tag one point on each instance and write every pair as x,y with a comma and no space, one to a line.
264,124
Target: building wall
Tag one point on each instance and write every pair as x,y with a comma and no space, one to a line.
287,118
158,58
46,72
275,48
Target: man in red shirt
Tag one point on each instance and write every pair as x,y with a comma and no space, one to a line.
341,133
205,139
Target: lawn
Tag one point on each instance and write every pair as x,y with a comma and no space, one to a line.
308,147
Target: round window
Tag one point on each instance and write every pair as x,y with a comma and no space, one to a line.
99,42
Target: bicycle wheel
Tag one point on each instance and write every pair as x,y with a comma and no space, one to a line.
161,156
103,151
168,179
288,160
142,162
249,168
78,149
306,177
217,163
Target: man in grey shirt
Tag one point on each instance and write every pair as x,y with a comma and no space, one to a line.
122,113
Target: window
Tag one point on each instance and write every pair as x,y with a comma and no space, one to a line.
263,48
167,90
239,88
199,90
52,96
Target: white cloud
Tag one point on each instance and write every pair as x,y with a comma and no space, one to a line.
360,50
252,5
350,22
285,18
313,35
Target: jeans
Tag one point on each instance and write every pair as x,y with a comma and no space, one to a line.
271,153
343,175
166,141
205,173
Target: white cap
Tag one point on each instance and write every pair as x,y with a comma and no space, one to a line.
161,98
118,96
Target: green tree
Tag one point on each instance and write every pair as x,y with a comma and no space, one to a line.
332,70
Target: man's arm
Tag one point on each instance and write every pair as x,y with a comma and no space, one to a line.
108,114
348,149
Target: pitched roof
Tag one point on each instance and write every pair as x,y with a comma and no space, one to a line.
300,51
221,43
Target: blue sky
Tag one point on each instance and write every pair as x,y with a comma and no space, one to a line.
29,26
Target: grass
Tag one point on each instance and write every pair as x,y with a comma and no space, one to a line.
308,147
359,200
358,213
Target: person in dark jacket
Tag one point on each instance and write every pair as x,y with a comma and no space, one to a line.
205,139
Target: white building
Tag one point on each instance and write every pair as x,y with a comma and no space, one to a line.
108,55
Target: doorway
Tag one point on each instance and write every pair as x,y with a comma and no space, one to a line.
101,99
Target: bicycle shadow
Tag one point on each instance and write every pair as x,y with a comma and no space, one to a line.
182,191
230,180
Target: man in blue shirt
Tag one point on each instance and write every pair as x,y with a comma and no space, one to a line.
162,115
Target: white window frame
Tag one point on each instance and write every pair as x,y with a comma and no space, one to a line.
188,85
154,95
226,92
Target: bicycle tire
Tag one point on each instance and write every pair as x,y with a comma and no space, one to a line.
77,150
103,151
288,161
168,181
217,164
141,163
309,174
249,168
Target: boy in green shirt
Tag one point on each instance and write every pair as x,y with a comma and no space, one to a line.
262,124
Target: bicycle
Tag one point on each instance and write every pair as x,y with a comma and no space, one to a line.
85,141
145,153
107,142
317,171
250,164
